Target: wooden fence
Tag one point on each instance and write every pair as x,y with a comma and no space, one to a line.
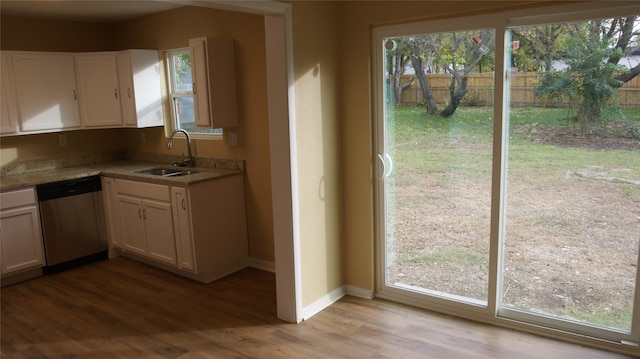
481,90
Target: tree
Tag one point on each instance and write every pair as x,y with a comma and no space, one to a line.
539,46
592,52
623,30
397,58
469,49
423,48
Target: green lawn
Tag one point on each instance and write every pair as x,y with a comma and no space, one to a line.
421,139
565,213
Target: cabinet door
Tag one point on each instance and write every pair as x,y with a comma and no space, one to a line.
110,210
20,239
98,90
132,224
140,88
46,93
159,231
182,229
214,74
8,123
198,48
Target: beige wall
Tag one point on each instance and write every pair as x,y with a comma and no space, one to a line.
316,71
167,30
20,33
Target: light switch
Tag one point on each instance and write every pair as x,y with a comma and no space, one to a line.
62,139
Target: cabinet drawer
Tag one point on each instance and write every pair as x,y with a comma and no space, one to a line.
21,197
145,190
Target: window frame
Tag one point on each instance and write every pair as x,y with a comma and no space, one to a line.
173,93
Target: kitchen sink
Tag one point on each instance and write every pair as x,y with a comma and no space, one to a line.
166,172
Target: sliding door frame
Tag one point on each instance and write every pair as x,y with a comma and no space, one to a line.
491,312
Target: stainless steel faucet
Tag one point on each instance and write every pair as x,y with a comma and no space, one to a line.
186,161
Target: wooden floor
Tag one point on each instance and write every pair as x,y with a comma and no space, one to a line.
122,309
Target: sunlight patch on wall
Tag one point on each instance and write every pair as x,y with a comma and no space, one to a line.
8,155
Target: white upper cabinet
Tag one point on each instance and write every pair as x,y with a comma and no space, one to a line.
98,90
140,88
51,91
45,90
8,122
214,74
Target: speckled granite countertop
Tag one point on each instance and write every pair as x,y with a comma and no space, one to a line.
118,168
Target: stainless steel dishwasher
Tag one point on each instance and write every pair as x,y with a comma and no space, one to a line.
72,219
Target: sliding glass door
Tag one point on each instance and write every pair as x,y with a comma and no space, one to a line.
437,170
508,170
572,224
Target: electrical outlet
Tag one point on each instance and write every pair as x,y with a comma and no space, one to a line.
143,137
62,139
232,138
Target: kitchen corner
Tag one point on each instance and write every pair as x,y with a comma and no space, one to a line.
192,223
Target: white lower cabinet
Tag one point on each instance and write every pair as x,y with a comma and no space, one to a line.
198,231
111,212
20,234
182,228
145,220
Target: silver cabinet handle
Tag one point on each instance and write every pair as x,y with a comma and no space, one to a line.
139,213
183,204
115,93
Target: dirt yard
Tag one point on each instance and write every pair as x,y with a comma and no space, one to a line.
571,237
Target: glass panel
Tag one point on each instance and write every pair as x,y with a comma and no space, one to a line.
181,72
573,180
437,154
185,113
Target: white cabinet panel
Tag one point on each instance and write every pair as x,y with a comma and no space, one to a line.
20,234
182,229
8,121
97,75
110,201
140,88
214,75
132,224
45,88
161,244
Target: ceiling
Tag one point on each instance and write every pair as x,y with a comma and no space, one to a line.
85,10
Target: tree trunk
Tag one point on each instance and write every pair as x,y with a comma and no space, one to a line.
586,114
398,72
455,95
430,102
